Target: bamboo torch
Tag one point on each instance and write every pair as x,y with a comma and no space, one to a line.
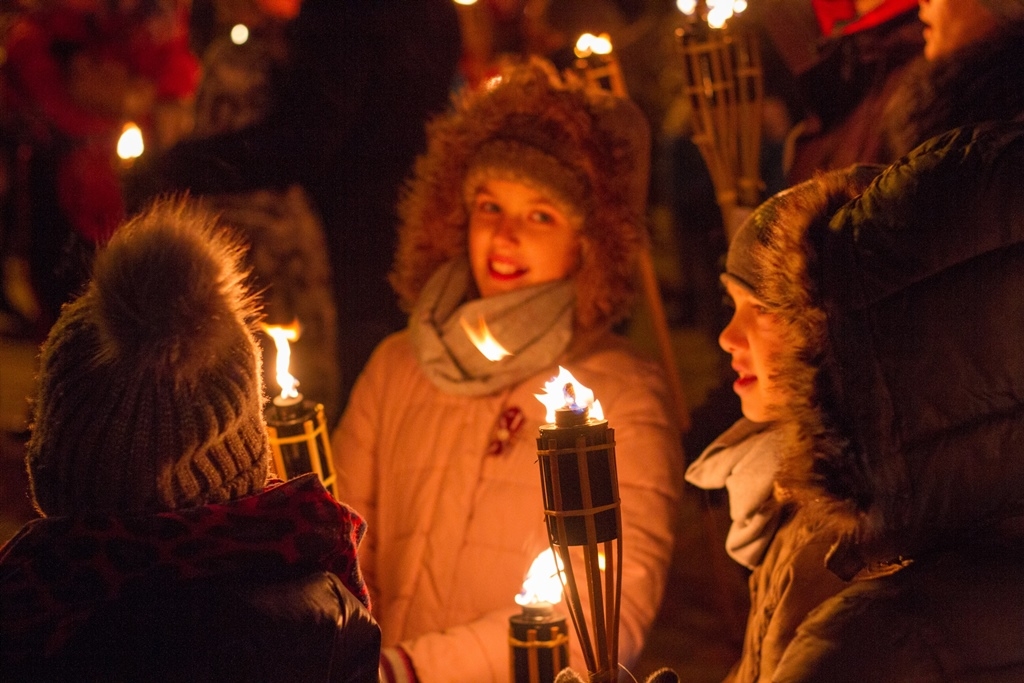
576,454
598,66
296,426
725,88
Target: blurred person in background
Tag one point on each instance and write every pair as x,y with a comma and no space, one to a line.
75,74
846,67
971,71
287,241
344,121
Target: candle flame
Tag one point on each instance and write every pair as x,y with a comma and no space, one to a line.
282,335
565,391
588,44
483,340
542,582
129,145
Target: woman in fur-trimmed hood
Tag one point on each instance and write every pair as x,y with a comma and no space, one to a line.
524,216
597,139
904,414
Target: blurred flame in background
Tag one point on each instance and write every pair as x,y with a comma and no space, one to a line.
129,145
719,11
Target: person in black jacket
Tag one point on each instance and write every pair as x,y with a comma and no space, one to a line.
163,551
970,72
901,409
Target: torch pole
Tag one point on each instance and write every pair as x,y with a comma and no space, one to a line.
598,70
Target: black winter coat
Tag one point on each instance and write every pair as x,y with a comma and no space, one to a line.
310,628
266,587
908,438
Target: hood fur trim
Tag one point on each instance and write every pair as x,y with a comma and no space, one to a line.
784,257
903,378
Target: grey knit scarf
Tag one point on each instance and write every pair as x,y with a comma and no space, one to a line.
533,323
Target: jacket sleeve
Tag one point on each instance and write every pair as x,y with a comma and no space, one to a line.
475,652
356,651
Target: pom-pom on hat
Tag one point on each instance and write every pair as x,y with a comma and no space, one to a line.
150,394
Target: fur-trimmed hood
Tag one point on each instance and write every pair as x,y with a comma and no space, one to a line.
602,139
905,373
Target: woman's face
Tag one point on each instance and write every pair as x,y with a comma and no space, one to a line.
519,236
951,25
753,338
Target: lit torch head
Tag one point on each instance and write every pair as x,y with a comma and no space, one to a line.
565,391
282,335
588,44
542,582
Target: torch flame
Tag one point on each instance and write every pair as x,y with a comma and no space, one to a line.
718,11
129,145
282,335
542,582
483,340
588,44
565,391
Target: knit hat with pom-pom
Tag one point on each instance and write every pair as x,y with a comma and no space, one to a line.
150,394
